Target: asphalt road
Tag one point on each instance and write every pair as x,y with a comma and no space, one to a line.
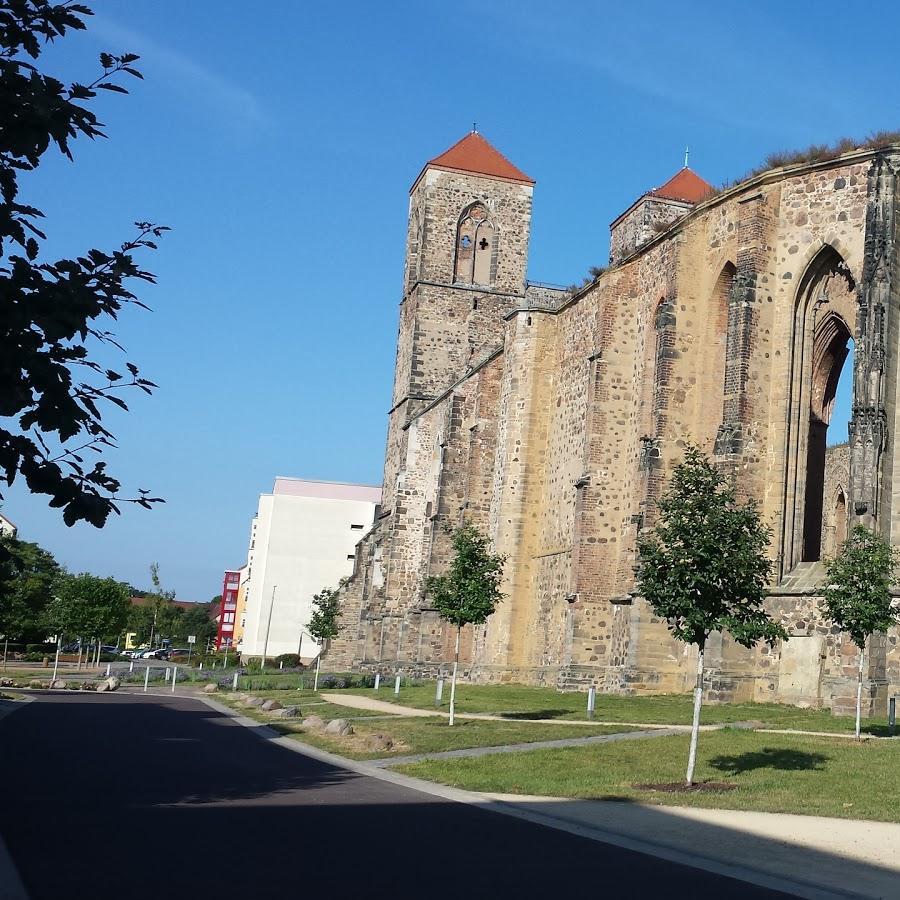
140,797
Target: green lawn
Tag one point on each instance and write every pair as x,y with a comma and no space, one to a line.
774,773
517,701
418,735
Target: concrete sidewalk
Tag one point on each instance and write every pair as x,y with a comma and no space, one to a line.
842,857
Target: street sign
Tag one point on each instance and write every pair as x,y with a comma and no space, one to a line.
192,638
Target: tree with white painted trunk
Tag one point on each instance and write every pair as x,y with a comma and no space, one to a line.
469,591
858,596
704,567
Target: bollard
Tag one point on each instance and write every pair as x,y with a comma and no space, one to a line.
397,686
377,680
439,692
201,665
107,670
167,674
174,678
281,664
234,682
892,715
131,667
592,701
146,678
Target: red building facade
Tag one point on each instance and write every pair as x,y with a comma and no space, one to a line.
227,610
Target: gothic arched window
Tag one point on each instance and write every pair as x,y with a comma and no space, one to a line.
475,247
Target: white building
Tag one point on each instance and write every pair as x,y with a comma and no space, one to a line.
7,526
303,539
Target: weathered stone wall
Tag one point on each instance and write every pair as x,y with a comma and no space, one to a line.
647,218
554,422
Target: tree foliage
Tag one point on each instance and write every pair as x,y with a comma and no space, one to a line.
704,567
324,624
89,607
27,576
858,596
469,591
55,314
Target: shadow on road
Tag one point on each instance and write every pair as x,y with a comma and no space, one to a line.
127,793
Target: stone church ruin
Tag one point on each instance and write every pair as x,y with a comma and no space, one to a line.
551,419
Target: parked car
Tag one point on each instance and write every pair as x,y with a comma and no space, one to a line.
155,654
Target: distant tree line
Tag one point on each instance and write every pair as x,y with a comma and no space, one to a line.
39,600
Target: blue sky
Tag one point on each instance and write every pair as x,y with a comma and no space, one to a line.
279,142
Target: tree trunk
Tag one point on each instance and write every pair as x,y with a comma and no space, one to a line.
859,681
318,661
453,682
80,651
5,650
695,725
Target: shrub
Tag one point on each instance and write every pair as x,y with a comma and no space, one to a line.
40,648
290,660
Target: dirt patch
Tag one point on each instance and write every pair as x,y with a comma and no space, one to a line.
679,787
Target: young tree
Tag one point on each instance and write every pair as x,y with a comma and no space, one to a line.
55,315
469,591
858,595
704,567
324,624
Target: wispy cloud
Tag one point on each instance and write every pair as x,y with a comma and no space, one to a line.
202,83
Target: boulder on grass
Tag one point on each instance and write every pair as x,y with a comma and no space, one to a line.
88,686
36,685
313,722
210,688
270,706
288,712
379,742
340,727
58,685
254,701
101,686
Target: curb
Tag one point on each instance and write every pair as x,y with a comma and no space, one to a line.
759,877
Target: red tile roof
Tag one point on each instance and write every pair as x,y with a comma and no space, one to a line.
686,185
474,154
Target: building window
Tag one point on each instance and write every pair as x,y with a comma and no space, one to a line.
356,527
351,556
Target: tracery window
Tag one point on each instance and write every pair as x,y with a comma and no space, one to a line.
475,247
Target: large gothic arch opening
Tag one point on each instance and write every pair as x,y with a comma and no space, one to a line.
821,338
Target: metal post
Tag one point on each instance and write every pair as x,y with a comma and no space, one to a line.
592,701
59,638
201,665
397,686
131,666
167,674
377,680
318,661
281,664
234,682
174,678
146,678
892,715
6,650
439,693
107,669
268,626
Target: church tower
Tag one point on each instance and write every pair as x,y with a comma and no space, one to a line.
466,261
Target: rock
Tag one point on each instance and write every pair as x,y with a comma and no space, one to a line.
210,688
88,686
7,682
113,683
254,701
37,685
313,722
379,742
270,706
58,685
339,726
107,684
101,686
288,712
